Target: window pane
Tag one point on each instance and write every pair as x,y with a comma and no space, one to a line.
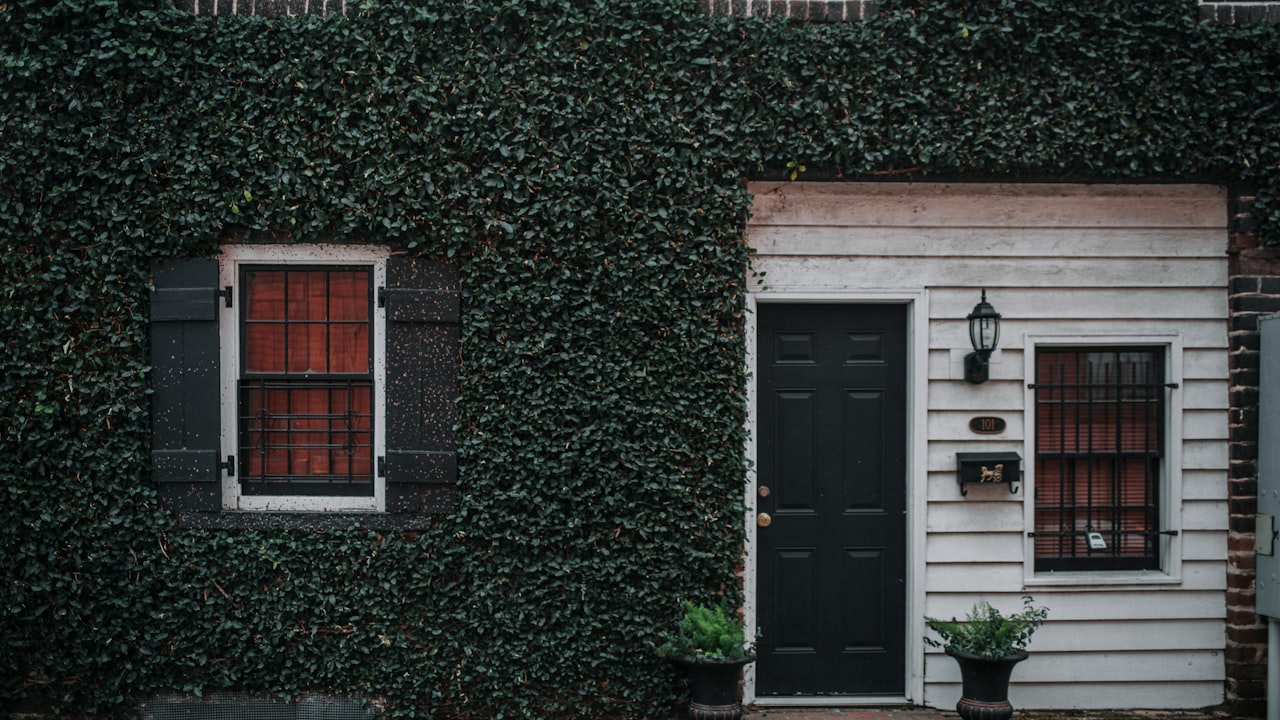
308,295
1099,439
349,349
264,348
307,436
264,293
308,427
308,348
349,296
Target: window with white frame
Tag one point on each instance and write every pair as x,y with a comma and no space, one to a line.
301,411
1100,441
273,369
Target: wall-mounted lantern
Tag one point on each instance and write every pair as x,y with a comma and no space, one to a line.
984,334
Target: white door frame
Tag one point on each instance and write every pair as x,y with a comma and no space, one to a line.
917,301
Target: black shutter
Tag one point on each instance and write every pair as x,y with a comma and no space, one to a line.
185,412
423,354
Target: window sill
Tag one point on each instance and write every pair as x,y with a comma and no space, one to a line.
1101,579
252,520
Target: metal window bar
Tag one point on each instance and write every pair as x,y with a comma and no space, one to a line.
264,432
1105,385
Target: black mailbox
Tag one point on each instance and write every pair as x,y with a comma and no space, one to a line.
988,467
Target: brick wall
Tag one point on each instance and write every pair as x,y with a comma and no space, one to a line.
1238,12
1224,11
266,8
806,10
1254,292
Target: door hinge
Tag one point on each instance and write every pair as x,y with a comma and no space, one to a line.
226,295
229,466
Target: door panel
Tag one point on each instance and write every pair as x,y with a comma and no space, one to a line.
832,454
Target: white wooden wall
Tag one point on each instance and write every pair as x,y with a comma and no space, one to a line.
1055,259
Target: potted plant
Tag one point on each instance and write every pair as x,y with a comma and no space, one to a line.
710,645
987,645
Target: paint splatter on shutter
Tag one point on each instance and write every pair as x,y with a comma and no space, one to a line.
185,412
423,350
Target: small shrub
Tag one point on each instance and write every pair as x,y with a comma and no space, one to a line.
987,633
712,633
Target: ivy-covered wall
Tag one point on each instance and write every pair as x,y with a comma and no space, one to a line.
583,162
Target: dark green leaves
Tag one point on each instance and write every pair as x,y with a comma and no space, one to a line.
583,162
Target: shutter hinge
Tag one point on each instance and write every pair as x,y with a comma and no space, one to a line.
382,466
226,295
1171,386
229,466
382,297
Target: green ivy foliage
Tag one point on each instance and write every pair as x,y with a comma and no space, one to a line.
583,161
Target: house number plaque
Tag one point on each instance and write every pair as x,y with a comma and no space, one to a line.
987,425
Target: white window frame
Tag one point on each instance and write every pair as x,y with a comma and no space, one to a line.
1170,571
235,256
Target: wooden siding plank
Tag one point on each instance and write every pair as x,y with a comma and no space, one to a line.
953,425
1131,635
964,548
976,577
1204,424
1204,484
973,577
1166,665
878,272
1204,363
1085,303
1204,515
1094,696
1196,334
942,242
1199,394
1204,545
988,205
1204,455
976,517
1144,603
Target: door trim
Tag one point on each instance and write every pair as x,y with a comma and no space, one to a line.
917,330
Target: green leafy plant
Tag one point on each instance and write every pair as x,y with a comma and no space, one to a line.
707,632
986,633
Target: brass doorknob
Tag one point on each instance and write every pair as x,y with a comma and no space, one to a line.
763,520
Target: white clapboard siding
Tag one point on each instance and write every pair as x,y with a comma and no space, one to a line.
1080,261
1102,696
1094,696
1130,635
880,273
988,205
1203,485
1203,545
1085,303
1104,666
1012,242
1133,602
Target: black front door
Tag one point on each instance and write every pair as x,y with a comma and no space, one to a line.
831,417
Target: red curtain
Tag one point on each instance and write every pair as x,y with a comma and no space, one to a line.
305,328
1098,446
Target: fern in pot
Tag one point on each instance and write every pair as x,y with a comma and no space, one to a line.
709,643
987,645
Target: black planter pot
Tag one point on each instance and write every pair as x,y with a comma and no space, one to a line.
986,685
713,687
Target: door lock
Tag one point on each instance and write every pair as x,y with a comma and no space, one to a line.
763,520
